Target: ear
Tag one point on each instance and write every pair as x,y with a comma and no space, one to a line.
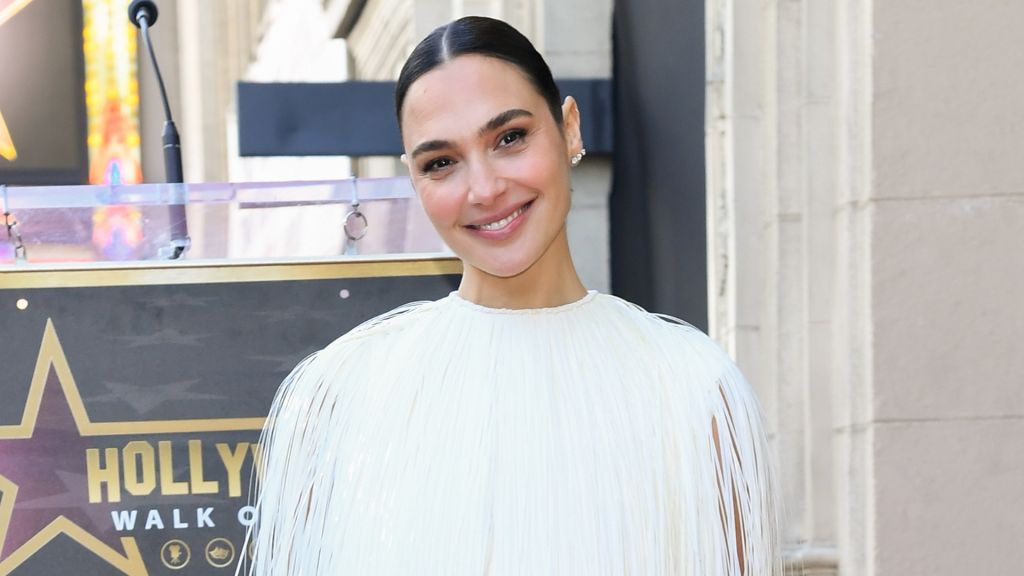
571,127
408,168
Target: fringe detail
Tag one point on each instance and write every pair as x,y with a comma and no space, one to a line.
451,439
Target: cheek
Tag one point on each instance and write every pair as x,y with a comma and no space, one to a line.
539,167
442,203
540,172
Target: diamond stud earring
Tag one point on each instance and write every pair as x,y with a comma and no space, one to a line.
579,156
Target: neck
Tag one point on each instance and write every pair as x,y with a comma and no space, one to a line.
550,281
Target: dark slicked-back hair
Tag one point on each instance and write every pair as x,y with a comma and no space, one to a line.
484,36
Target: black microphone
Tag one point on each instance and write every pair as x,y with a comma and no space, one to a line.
143,14
139,9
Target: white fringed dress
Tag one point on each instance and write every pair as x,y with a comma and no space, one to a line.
446,438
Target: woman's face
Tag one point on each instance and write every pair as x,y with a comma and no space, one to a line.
489,162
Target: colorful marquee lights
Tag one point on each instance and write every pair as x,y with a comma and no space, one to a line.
111,93
112,104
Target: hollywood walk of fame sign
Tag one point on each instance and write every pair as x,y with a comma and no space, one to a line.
133,399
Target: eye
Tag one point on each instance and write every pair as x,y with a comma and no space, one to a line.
437,164
511,137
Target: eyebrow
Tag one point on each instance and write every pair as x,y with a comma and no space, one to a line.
491,125
504,118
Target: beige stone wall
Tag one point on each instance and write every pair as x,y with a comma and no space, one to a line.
216,42
867,206
948,269
378,45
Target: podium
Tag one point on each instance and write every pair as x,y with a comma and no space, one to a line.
133,388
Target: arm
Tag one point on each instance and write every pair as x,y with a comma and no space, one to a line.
746,492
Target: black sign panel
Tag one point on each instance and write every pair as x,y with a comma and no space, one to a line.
131,401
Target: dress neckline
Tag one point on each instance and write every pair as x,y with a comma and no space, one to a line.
458,300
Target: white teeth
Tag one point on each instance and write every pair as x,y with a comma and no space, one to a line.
503,222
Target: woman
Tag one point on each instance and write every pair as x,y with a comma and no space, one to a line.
522,425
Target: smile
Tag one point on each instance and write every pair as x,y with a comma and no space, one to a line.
504,222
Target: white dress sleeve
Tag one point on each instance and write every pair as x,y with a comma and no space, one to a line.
744,478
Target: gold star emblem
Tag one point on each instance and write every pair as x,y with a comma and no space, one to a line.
7,149
8,8
52,359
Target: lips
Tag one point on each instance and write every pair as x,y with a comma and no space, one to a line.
501,223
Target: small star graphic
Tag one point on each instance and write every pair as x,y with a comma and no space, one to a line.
165,336
145,398
283,362
291,313
178,299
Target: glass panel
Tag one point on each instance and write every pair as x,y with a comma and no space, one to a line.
264,220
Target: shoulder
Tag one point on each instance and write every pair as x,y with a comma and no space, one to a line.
387,325
683,349
662,330
372,337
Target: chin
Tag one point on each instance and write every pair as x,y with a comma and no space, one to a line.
500,269
503,271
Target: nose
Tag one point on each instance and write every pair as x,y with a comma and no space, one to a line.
485,183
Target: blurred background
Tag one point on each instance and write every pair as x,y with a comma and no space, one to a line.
834,189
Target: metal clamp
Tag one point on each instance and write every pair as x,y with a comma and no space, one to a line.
356,215
13,234
355,225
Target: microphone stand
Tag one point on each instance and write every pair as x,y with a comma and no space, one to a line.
143,14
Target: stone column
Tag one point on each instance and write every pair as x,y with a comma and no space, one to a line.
866,206
771,186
